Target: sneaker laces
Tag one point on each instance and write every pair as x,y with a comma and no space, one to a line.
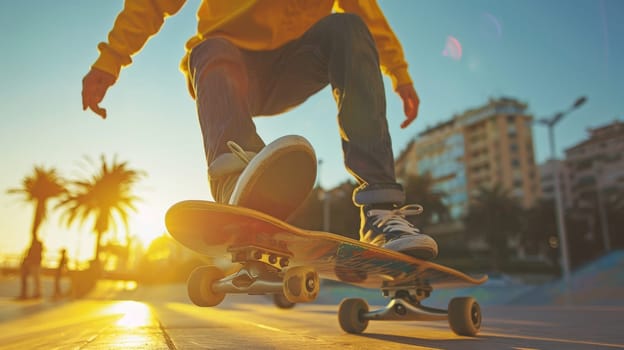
223,185
238,151
395,219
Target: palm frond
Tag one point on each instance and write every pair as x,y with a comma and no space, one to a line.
105,196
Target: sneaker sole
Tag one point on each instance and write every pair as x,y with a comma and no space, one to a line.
278,179
423,248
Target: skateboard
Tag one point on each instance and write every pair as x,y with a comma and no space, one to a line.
274,257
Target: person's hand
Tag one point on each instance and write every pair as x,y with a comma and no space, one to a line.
410,103
94,87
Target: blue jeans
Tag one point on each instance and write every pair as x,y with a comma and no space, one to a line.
232,85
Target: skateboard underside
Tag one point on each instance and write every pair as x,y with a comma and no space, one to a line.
214,230
286,261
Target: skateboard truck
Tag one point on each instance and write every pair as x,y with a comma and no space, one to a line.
278,258
404,310
463,314
405,304
263,271
417,290
253,278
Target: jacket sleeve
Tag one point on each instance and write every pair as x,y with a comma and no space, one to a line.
390,51
135,24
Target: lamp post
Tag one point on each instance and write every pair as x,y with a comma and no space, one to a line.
561,228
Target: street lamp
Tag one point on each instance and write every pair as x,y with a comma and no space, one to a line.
561,229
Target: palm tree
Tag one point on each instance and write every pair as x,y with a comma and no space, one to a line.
106,197
39,188
494,215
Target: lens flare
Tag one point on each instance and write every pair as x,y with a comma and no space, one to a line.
453,49
491,26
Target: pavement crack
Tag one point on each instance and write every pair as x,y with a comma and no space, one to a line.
168,339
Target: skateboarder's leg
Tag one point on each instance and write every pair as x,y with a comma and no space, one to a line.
232,85
220,83
359,90
241,169
340,50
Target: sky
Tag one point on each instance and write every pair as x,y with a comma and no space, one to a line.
546,53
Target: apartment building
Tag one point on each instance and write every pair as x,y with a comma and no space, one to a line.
594,163
595,166
547,180
484,146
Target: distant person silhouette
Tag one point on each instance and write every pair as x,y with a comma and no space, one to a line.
259,57
59,272
31,267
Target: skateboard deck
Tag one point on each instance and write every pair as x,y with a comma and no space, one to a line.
211,229
274,252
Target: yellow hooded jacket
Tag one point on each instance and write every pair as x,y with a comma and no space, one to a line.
249,24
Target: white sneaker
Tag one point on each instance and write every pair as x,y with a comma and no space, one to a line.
388,228
275,181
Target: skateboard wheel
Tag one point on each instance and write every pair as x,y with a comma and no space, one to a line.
464,316
199,286
350,315
281,302
301,284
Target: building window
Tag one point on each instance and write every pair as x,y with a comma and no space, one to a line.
548,189
547,177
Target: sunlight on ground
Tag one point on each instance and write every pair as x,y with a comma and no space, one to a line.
142,340
135,314
136,329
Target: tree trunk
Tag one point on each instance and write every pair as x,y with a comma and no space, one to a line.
98,245
37,220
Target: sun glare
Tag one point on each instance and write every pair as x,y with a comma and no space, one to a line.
135,314
147,225
147,237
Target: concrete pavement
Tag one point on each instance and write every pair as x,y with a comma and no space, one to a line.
160,317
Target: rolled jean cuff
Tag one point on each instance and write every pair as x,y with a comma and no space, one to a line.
391,193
